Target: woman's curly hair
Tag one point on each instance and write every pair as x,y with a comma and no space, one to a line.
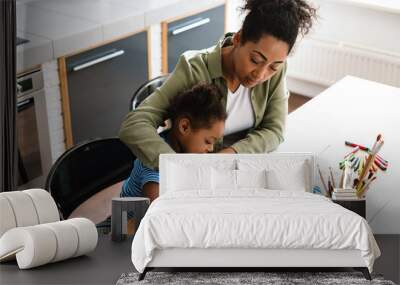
202,105
283,19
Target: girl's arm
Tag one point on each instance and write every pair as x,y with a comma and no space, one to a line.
227,150
151,190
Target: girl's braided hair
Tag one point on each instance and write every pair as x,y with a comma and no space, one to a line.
202,105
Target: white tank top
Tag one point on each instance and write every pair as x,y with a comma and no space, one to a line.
240,111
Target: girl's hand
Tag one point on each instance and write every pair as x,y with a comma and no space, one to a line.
227,150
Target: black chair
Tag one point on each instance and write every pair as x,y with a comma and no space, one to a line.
145,90
86,169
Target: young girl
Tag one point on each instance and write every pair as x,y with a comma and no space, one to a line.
198,119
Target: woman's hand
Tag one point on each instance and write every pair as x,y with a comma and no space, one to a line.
227,150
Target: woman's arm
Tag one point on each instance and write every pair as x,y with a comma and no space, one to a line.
269,134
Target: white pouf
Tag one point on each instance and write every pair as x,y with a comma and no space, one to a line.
7,218
31,231
40,244
23,208
26,208
45,206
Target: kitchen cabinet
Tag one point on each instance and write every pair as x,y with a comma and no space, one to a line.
194,32
97,85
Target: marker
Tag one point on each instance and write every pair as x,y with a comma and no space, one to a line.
364,148
382,167
357,148
357,164
354,145
381,158
384,162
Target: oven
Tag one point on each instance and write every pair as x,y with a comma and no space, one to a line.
34,152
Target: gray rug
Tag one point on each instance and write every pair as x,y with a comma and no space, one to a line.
242,278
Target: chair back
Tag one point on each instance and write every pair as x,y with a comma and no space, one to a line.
86,169
145,90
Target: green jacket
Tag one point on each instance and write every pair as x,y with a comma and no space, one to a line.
269,101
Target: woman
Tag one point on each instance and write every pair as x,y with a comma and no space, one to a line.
249,69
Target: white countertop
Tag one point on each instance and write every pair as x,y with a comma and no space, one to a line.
355,110
57,28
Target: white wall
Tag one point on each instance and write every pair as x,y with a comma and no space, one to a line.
351,23
234,15
364,26
54,109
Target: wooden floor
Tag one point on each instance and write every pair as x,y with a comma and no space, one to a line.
296,100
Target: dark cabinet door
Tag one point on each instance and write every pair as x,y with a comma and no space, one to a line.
101,82
196,32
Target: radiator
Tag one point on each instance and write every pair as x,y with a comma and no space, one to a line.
323,63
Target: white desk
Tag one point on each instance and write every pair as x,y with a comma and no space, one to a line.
355,110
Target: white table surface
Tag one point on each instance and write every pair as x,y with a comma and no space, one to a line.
355,110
